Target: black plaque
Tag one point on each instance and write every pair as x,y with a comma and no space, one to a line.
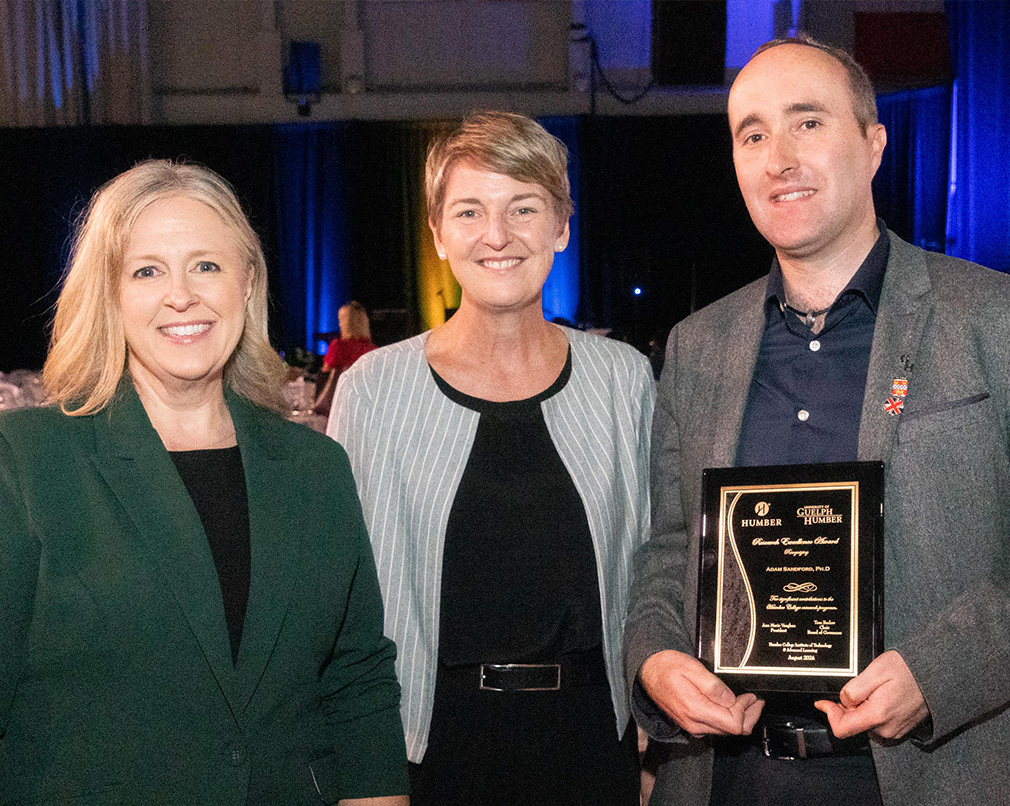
790,594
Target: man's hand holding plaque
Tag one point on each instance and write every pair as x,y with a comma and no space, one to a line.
790,578
695,698
884,699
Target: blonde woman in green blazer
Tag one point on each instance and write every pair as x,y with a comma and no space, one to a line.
189,610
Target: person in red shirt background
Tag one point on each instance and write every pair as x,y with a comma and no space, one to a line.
354,341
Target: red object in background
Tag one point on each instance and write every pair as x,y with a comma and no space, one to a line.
908,48
344,352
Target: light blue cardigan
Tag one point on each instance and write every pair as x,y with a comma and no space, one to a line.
408,445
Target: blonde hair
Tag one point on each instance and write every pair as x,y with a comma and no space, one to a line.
354,315
513,145
87,352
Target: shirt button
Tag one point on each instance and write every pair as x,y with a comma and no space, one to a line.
236,755
815,345
803,415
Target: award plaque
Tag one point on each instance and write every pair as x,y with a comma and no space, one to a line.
790,593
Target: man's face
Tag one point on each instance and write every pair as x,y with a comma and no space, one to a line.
802,161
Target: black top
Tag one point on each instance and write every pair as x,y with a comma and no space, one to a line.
519,581
806,396
216,483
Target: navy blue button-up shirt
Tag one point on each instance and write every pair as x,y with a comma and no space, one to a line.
806,396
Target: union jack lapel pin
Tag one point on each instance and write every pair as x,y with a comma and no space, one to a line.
894,405
896,402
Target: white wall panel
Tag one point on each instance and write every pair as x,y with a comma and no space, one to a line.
466,44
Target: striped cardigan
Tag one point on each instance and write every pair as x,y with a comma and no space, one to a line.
408,445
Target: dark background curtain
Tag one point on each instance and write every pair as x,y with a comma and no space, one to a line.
563,289
381,157
326,199
48,176
337,207
662,213
979,216
910,189
313,229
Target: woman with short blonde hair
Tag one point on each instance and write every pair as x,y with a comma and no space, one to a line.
504,143
502,463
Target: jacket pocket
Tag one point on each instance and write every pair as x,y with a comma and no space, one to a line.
943,420
936,408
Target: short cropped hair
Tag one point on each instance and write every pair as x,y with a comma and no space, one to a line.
88,351
513,145
864,100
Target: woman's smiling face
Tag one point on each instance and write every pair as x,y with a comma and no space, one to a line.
499,236
183,291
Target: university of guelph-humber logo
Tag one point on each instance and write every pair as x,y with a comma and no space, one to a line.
818,513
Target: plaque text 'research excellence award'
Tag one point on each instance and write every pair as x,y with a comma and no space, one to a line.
791,575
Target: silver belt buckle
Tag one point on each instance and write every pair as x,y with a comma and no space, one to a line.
504,667
801,745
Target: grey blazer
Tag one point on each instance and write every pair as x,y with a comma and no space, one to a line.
947,516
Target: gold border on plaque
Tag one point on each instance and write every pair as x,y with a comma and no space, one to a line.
724,519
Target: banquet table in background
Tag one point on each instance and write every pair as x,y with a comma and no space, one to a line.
22,389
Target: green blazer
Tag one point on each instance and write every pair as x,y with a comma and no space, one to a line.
116,677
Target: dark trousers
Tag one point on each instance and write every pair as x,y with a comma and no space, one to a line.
551,748
744,776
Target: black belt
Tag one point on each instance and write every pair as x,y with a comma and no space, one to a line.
788,739
569,672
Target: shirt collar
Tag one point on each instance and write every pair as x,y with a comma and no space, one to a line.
867,282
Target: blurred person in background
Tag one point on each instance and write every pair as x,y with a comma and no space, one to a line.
354,341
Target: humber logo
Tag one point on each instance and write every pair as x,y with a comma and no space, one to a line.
761,508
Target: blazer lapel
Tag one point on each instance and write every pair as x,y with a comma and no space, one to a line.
140,473
902,314
739,356
273,525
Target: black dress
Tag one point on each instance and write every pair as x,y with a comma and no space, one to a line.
519,586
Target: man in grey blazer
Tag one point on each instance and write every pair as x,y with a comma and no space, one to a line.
934,705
